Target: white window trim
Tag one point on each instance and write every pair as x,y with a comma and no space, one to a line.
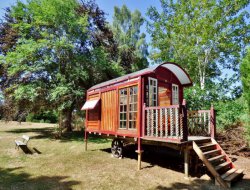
175,94
149,89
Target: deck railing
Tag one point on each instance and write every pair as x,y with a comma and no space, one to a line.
164,123
175,123
201,122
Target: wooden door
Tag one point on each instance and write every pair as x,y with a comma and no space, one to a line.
109,111
164,94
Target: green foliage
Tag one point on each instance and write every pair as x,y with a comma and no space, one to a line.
132,46
43,117
245,77
230,106
222,90
203,36
231,112
56,49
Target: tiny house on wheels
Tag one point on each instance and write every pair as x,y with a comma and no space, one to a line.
147,107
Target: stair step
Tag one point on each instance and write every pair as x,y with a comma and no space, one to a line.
203,141
217,162
234,175
224,164
206,146
211,152
229,172
216,158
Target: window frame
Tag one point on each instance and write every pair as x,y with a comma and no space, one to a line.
128,111
151,88
175,94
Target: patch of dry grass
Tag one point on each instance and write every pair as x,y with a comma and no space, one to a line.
63,164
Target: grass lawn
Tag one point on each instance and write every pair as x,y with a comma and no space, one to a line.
63,164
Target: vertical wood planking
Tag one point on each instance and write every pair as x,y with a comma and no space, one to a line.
93,117
109,111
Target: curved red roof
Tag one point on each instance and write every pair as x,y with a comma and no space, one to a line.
179,72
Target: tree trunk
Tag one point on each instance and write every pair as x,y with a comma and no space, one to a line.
67,119
202,82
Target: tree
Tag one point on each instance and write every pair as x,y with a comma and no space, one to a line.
203,36
132,46
245,77
49,59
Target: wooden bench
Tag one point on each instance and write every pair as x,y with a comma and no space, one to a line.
23,141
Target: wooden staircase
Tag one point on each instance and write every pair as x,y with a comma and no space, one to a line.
217,162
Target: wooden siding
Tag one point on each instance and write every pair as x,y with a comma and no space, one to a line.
164,95
109,111
94,115
165,79
93,96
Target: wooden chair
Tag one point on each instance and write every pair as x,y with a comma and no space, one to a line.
22,141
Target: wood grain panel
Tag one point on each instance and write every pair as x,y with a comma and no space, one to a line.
93,115
109,111
164,95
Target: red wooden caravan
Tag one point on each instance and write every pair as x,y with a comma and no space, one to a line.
147,107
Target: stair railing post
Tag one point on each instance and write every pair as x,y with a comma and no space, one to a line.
143,120
212,122
185,127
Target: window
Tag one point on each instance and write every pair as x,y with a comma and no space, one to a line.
175,94
128,107
152,92
123,108
132,107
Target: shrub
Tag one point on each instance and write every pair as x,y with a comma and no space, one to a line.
231,112
43,117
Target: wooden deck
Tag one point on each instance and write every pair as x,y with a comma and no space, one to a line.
197,138
175,124
169,140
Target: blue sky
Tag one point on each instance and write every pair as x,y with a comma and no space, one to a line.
107,6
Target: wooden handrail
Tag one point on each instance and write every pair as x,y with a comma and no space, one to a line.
212,122
202,121
161,107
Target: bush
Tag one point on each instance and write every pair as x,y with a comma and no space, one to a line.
231,112
43,117
245,77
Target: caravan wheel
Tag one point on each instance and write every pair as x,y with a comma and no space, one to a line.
116,148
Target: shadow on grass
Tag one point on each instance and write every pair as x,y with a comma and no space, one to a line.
172,159
196,184
79,136
49,133
26,149
41,133
37,151
13,178
153,155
